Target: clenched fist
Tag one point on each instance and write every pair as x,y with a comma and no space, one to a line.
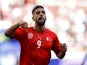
64,47
24,24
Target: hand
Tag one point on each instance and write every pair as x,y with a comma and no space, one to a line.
24,24
62,53
64,47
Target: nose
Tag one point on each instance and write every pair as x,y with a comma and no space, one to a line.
41,13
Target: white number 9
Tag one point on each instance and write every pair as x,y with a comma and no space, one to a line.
39,43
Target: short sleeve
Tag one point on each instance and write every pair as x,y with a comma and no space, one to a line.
56,45
19,33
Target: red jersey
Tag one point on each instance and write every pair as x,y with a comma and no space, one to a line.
36,46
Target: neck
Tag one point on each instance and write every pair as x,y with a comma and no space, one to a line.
39,28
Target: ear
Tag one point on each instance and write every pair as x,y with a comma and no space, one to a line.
32,18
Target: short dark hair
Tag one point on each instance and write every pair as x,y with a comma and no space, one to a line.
36,7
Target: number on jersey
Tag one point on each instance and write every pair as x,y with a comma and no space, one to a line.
38,43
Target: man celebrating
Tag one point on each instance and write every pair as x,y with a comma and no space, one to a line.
36,42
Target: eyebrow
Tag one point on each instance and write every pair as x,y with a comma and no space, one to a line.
41,11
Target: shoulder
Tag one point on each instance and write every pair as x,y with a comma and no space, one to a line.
20,29
30,28
50,32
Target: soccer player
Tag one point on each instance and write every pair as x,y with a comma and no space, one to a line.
36,42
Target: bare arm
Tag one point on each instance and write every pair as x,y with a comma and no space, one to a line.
9,32
62,53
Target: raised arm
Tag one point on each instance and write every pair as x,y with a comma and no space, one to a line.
9,32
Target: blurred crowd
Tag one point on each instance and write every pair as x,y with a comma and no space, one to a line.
69,23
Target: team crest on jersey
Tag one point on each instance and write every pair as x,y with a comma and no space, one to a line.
48,38
30,35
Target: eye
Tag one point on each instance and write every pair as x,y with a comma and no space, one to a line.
43,12
37,12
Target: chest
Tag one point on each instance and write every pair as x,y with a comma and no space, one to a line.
44,41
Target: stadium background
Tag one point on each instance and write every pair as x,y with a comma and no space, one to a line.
67,18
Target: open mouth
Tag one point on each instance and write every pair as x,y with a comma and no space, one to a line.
41,19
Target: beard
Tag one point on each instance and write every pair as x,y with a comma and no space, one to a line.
41,23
